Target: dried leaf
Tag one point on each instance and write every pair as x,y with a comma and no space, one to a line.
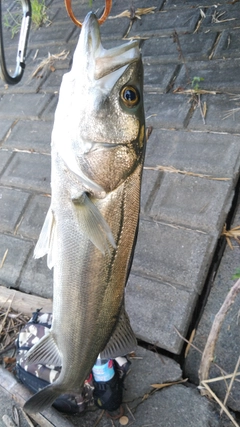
190,342
160,386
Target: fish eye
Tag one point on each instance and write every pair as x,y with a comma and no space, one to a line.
129,96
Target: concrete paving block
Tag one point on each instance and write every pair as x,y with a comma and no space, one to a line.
228,343
166,111
217,75
124,4
158,78
17,253
190,151
5,157
5,127
173,254
28,171
26,85
34,217
15,106
177,406
165,23
6,408
164,49
223,112
228,45
37,278
197,203
148,368
156,309
150,184
12,204
219,17
49,111
54,80
31,135
58,33
174,4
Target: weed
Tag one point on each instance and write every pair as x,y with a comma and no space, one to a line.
13,20
236,275
196,82
39,13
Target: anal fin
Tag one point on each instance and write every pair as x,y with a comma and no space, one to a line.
45,351
123,340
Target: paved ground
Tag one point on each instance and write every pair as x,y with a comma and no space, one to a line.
184,45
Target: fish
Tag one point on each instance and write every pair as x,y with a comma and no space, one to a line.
90,231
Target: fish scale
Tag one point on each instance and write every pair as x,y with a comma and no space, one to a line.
89,234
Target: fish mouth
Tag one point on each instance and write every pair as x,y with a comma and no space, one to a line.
102,62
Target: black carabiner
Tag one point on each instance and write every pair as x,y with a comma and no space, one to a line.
22,46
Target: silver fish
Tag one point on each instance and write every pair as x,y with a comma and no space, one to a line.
89,234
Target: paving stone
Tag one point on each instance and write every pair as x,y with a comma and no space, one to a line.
188,3
18,250
228,45
54,80
32,135
150,184
173,254
149,368
26,85
124,4
29,171
158,78
12,204
34,216
219,17
5,126
164,49
217,75
223,114
5,157
189,151
156,309
11,105
177,406
165,23
166,111
6,408
37,278
228,343
49,111
57,33
197,203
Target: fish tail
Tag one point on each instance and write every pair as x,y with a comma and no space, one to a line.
43,399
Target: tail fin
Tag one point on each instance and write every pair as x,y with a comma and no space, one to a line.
42,399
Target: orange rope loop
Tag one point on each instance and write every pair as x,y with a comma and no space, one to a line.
108,5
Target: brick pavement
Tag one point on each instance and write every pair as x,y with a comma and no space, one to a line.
182,215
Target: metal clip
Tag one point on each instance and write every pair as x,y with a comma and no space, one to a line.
22,46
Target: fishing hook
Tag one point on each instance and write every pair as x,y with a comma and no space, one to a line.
22,46
108,6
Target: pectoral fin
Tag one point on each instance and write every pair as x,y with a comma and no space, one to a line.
45,351
93,223
72,164
45,244
122,341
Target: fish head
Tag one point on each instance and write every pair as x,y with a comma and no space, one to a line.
101,98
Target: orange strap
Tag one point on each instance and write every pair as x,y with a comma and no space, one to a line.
108,6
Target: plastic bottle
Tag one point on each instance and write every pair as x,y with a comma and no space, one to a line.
107,385
103,370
